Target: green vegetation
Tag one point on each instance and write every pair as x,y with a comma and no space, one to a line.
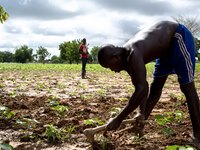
49,67
169,118
3,15
178,147
94,121
6,113
52,133
5,146
55,106
66,67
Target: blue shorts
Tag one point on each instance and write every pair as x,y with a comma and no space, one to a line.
180,59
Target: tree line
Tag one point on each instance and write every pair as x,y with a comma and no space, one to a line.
69,53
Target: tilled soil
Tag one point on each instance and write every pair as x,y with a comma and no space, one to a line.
32,98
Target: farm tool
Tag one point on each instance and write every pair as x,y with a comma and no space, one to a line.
89,133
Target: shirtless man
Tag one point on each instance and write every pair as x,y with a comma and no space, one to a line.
172,45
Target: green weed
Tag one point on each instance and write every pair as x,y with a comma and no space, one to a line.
55,106
6,113
169,118
52,133
5,146
94,121
178,147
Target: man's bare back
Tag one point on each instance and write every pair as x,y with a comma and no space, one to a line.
153,41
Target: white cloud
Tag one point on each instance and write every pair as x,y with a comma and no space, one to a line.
48,23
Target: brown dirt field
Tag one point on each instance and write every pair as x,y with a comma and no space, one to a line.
31,97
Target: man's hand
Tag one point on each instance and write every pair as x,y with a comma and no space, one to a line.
113,124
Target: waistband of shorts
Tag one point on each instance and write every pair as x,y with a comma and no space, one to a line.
180,28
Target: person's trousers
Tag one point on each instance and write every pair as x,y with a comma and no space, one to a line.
84,62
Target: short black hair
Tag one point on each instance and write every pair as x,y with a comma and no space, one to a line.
84,40
103,53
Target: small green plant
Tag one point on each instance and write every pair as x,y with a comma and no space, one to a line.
178,97
85,97
169,118
70,129
52,133
72,93
101,93
178,147
27,123
82,85
61,86
55,106
53,101
168,131
179,115
12,94
6,113
94,121
115,111
5,146
40,86
164,120
60,109
104,141
130,89
172,96
121,99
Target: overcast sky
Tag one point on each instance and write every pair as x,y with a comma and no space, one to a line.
49,23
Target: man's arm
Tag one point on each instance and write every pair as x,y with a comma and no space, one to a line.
138,76
137,71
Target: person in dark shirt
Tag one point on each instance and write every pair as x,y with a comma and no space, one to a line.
172,46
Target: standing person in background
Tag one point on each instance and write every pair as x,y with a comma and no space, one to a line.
83,50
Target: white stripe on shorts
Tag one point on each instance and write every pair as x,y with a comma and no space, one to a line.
186,55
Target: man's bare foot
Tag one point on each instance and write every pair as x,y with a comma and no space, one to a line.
139,125
194,142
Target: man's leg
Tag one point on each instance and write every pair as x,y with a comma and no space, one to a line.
154,95
82,67
194,107
146,109
85,67
84,61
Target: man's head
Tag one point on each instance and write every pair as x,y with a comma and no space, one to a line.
111,57
84,41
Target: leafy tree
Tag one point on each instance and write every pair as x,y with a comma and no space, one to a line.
35,57
192,23
23,54
69,51
197,44
3,15
94,52
42,54
56,60
6,57
90,60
